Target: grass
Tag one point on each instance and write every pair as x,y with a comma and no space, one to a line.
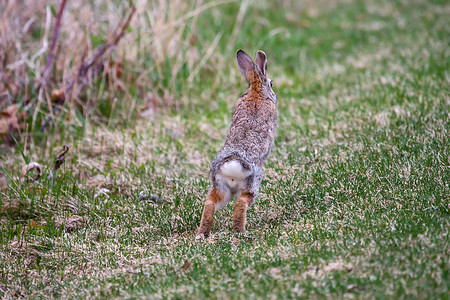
354,203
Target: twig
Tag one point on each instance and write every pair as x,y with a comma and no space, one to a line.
82,75
51,54
101,50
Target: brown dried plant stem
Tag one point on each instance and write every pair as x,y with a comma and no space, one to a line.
51,54
82,78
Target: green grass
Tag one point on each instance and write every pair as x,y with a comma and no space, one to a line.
354,202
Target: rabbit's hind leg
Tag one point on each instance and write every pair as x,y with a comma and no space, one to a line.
243,202
216,199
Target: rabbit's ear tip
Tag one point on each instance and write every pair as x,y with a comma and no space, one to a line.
261,52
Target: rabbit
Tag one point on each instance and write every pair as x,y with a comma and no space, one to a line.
237,169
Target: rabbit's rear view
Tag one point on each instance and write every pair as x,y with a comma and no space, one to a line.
237,168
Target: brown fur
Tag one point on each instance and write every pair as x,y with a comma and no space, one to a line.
240,211
254,82
252,121
214,197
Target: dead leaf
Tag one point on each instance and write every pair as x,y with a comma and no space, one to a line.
9,120
11,110
187,265
118,68
32,224
352,287
57,96
59,160
28,170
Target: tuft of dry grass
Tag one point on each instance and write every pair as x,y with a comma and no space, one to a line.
145,67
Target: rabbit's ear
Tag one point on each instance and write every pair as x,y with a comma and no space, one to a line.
245,63
261,62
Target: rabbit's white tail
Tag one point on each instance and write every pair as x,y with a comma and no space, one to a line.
233,169
233,175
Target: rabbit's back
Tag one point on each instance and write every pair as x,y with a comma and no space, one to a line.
253,126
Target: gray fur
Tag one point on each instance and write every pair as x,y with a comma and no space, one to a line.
252,129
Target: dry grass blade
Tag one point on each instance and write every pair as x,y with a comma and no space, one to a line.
197,11
74,223
82,78
205,58
13,207
238,23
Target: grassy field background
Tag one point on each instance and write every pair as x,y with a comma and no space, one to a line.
355,200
